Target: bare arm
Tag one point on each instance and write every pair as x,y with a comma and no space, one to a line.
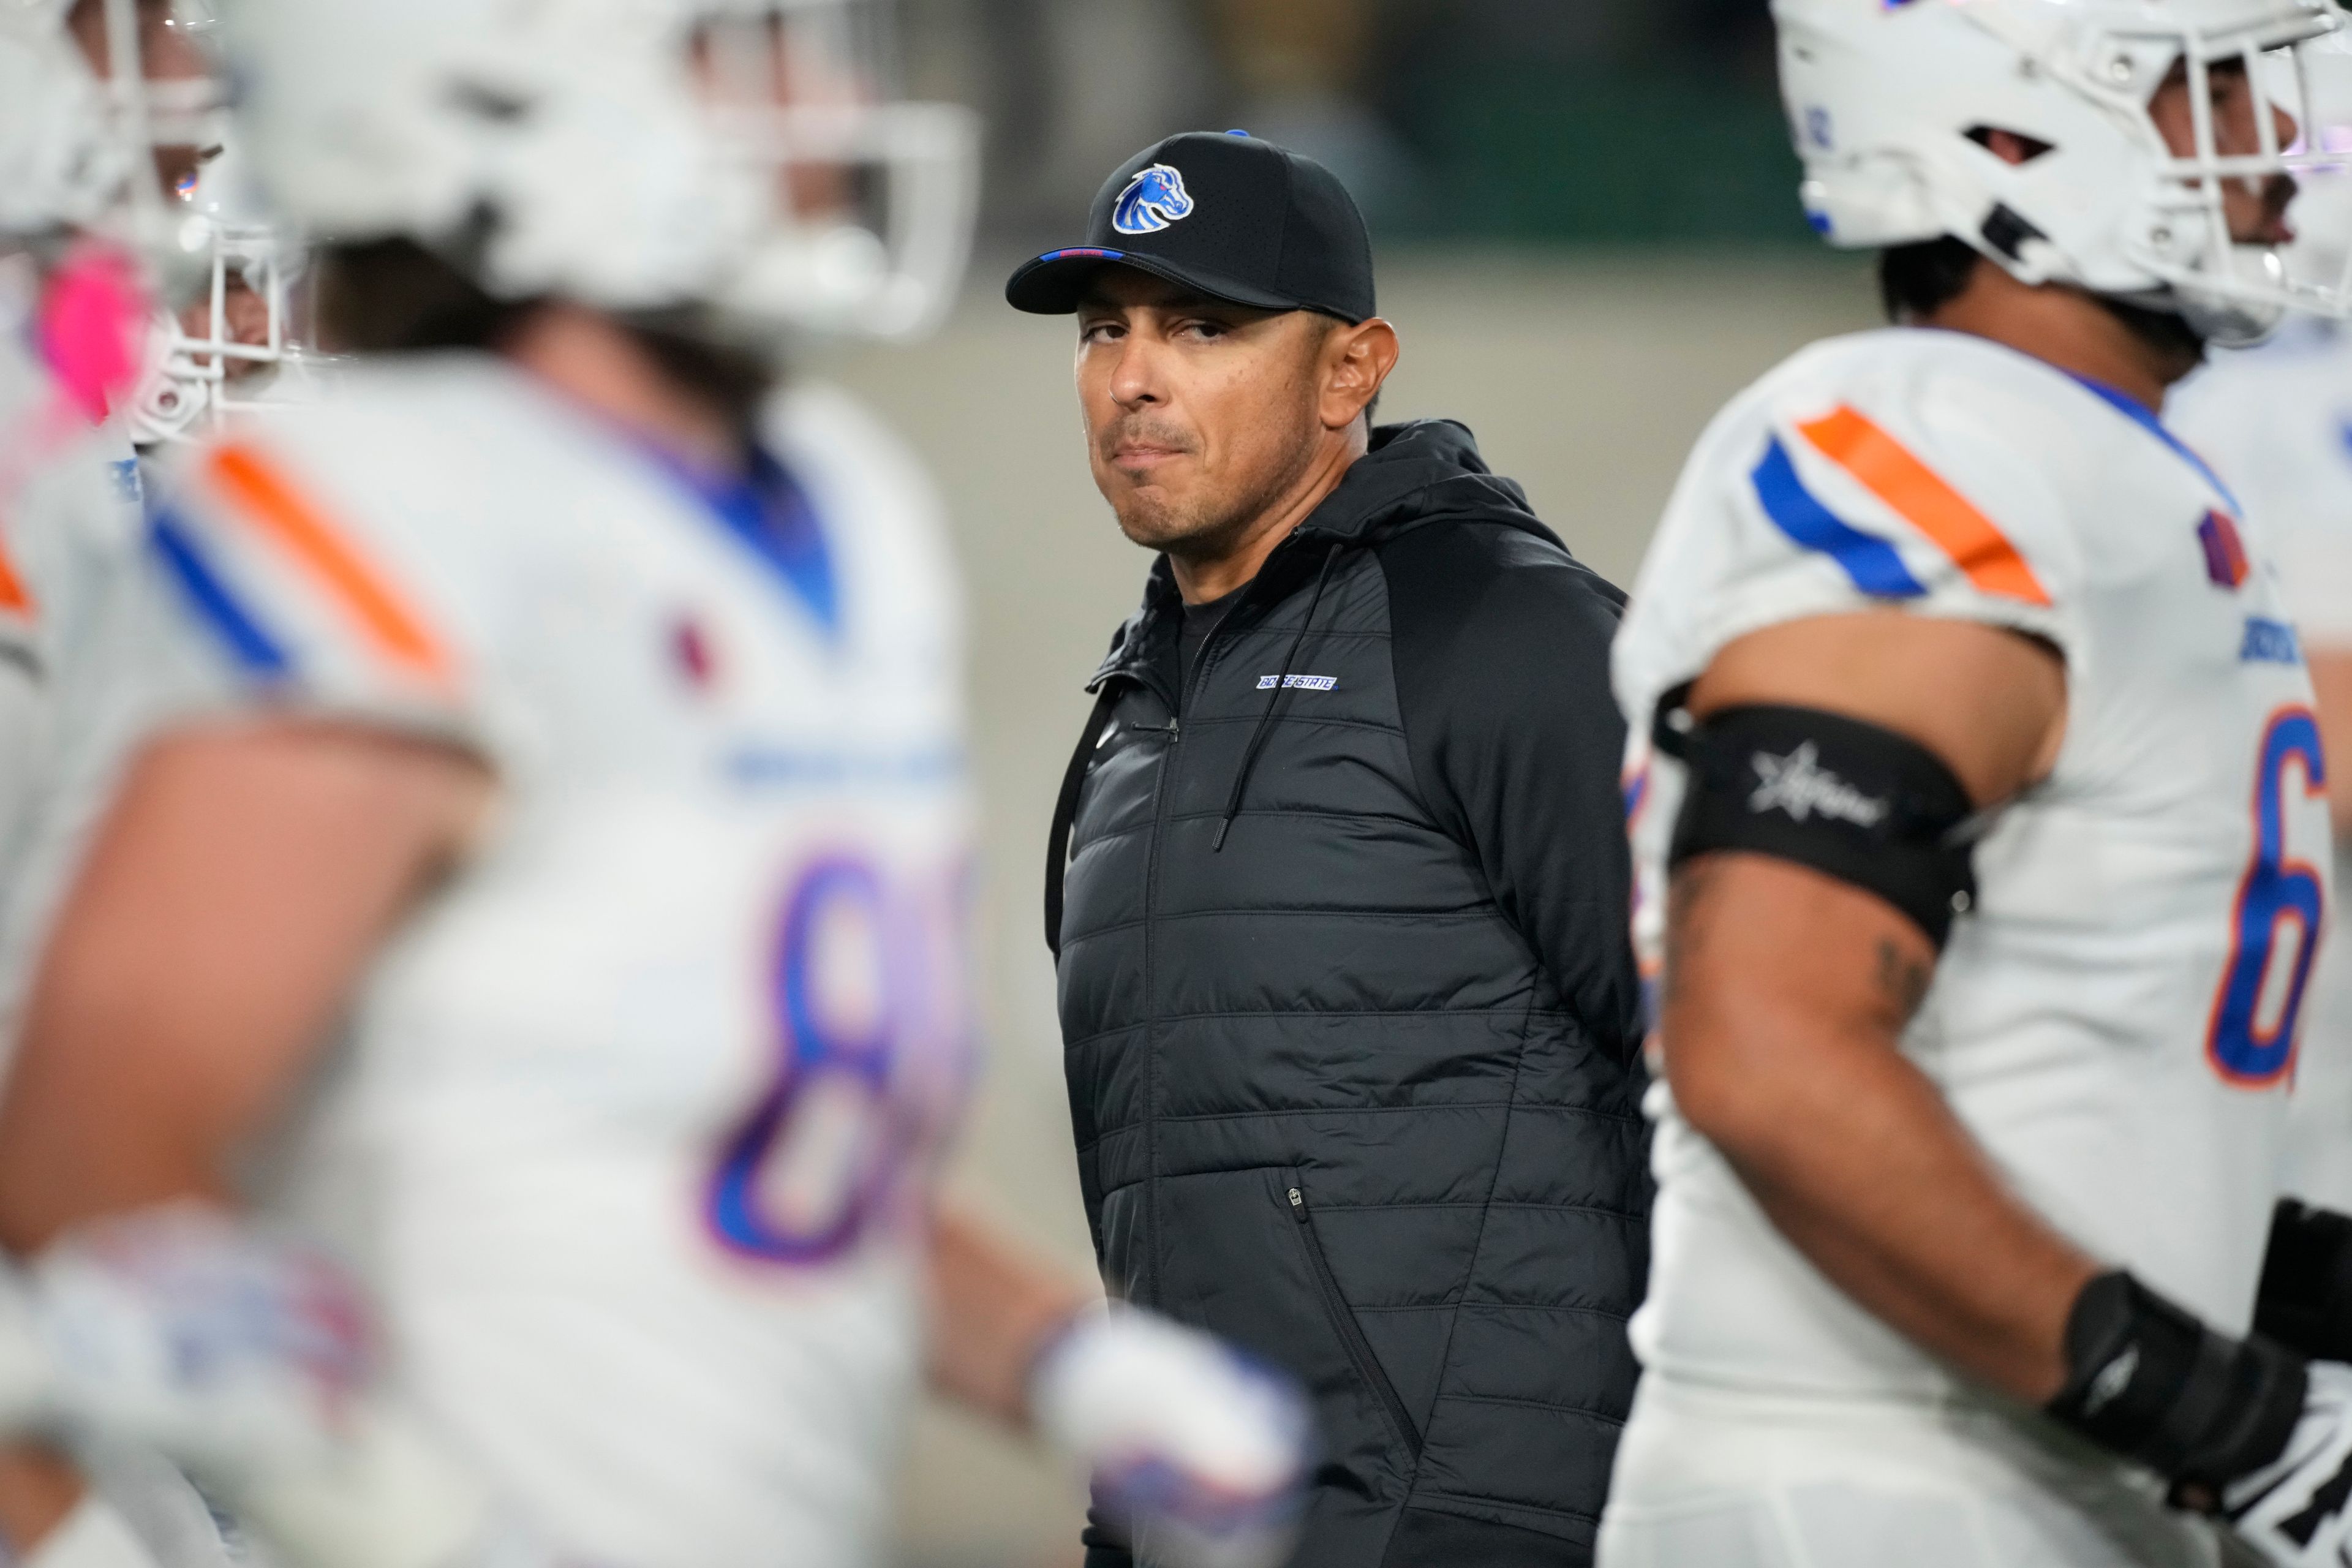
232,898
1788,992
234,895
993,1308
2331,675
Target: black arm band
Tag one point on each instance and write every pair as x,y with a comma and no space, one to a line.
2147,1380
2306,1302
1851,800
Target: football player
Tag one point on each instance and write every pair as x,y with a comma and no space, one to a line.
104,104
1979,821
118,250
549,882
86,151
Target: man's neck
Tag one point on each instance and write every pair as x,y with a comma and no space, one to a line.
1204,578
595,362
2068,329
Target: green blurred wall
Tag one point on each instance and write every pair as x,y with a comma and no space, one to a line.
1639,156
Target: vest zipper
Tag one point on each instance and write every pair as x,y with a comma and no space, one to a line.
1175,734
1351,1334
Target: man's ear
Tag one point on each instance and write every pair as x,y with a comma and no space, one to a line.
1356,361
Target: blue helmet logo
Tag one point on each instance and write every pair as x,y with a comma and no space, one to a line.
1155,199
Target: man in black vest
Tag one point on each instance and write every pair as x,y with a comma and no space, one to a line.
1339,884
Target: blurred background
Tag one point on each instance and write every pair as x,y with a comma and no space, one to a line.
1529,120
1589,239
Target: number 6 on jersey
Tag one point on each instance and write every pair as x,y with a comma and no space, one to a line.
2276,890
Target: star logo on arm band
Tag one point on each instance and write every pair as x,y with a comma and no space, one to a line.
1799,784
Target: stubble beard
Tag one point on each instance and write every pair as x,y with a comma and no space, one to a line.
1210,526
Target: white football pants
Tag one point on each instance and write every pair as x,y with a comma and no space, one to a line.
1709,1478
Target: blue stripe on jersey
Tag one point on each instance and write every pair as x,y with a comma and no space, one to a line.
2140,414
768,511
773,514
256,651
1872,564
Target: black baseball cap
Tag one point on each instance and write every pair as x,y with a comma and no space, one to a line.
1237,218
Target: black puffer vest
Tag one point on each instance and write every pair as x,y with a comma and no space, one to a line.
1331,1099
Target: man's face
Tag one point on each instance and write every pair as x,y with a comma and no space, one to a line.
1199,415
245,319
2255,206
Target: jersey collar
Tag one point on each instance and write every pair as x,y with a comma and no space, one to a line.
769,512
2140,415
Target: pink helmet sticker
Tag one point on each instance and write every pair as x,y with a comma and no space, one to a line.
94,328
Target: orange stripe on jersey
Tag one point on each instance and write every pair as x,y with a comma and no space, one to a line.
15,597
274,506
1888,471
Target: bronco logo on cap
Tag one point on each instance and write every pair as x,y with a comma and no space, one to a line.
1155,199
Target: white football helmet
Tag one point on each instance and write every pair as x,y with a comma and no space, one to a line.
630,154
1890,101
81,145
875,195
241,346
89,153
548,148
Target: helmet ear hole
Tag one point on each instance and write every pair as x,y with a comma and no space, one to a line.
2010,146
485,102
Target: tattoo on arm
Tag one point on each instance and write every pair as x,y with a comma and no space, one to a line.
1900,981
1903,981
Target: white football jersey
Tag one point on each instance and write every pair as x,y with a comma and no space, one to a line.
632,1126
72,587
50,470
76,605
2276,423
2115,1021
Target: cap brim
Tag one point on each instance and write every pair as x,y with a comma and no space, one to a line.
1057,283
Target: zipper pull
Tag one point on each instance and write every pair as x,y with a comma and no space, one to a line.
1297,1204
